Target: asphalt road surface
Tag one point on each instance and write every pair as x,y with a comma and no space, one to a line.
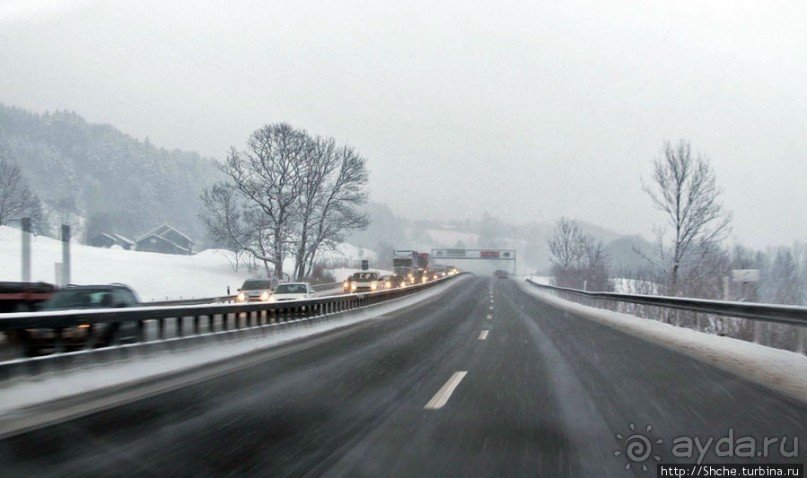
483,380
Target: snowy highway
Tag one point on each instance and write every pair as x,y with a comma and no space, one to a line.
481,380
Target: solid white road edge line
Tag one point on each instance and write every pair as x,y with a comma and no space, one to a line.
441,397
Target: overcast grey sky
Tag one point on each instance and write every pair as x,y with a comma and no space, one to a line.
528,110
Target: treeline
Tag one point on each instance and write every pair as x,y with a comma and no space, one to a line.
101,180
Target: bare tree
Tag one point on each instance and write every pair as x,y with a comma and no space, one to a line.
566,244
684,188
785,282
594,268
255,211
333,208
578,260
16,198
288,193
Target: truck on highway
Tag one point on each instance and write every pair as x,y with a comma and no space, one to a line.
411,265
23,296
403,264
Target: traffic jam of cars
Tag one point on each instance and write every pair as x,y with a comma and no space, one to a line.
39,297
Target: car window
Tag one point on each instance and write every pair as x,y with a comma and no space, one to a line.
253,284
74,298
123,297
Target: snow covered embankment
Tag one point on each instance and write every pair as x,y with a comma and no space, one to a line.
779,370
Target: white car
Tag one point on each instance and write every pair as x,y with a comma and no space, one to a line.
365,282
292,291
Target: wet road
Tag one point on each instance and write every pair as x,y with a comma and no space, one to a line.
484,380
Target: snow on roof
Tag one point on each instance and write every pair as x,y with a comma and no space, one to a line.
162,229
162,238
124,239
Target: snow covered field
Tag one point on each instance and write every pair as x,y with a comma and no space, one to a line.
773,368
153,276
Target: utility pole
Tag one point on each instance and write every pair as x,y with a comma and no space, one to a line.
65,254
26,249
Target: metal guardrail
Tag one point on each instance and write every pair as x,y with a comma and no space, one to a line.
326,287
782,314
772,313
187,321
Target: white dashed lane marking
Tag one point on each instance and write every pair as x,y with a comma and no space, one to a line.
483,335
441,397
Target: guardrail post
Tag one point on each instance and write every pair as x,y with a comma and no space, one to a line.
757,332
179,323
195,325
58,341
161,329
802,347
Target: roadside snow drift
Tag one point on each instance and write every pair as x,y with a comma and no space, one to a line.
780,370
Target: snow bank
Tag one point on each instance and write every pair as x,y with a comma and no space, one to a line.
773,368
153,276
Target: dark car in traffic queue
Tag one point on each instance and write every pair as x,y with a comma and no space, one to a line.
39,341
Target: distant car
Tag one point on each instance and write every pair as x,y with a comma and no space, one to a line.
292,291
437,273
364,282
420,276
347,284
255,290
501,274
79,298
391,281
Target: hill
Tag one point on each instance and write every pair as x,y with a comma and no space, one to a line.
102,180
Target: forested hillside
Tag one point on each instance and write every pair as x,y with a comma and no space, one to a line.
102,180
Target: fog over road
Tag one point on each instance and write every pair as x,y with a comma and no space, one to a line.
483,380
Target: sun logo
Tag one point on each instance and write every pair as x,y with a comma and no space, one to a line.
638,448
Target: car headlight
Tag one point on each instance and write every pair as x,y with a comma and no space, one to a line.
352,286
241,297
264,296
373,286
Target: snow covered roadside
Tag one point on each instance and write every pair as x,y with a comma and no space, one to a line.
780,370
40,389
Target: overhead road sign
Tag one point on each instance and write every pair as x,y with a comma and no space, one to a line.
485,254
